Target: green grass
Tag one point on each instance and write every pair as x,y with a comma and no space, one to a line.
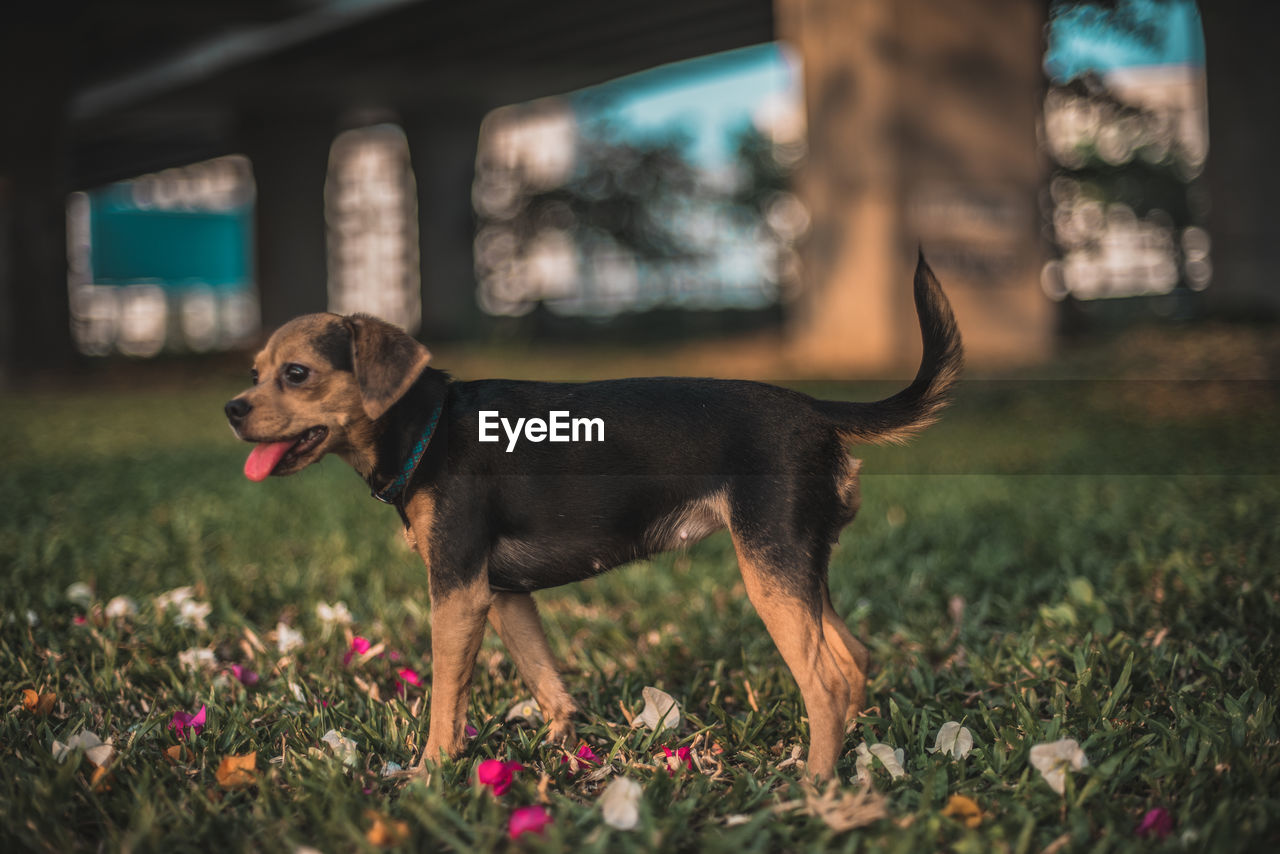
1053,560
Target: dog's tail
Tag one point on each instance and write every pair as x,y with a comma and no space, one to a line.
898,418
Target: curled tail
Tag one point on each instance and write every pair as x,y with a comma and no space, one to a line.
898,418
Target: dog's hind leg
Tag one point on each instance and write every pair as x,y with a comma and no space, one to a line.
850,653
794,620
457,628
515,616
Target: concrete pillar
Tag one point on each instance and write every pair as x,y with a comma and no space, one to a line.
442,147
290,157
922,131
35,320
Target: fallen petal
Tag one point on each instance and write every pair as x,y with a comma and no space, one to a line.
120,607
660,710
343,748
197,659
532,819
1055,758
1157,822
953,739
287,638
497,774
891,760
525,710
620,803
80,593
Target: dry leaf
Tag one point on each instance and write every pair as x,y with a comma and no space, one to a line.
38,704
843,811
178,754
100,780
235,772
1058,844
383,831
964,810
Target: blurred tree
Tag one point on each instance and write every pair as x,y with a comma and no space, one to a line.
1244,135
630,193
763,200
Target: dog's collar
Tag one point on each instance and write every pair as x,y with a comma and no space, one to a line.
394,491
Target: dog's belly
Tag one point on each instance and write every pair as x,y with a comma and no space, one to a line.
574,551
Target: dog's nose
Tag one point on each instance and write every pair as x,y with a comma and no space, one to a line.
237,408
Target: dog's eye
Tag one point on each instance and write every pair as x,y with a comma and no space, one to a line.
253,375
296,374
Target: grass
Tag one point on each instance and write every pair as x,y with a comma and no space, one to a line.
1094,561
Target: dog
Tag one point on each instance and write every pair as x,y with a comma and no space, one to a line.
673,460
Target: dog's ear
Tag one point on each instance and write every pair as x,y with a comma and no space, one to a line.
386,361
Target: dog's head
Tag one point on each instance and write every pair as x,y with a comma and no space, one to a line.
319,385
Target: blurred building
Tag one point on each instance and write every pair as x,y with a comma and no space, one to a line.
357,124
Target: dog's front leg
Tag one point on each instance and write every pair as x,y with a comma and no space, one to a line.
457,628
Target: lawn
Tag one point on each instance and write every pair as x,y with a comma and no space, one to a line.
1093,561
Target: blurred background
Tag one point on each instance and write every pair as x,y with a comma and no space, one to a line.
724,186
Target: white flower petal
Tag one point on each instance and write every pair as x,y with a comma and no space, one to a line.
953,739
197,659
191,614
660,709
343,748
288,638
119,607
1055,758
620,803
336,614
173,597
97,752
100,755
80,593
891,760
525,710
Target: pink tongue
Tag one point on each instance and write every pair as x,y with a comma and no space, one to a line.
264,458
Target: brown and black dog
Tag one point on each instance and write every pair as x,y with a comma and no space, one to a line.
496,514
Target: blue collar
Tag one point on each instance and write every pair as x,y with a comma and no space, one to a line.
394,491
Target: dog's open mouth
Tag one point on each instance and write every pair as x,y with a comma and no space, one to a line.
270,458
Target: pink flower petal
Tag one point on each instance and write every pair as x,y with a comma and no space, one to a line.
359,646
584,755
244,675
1157,823
497,775
532,819
469,731
181,722
681,754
